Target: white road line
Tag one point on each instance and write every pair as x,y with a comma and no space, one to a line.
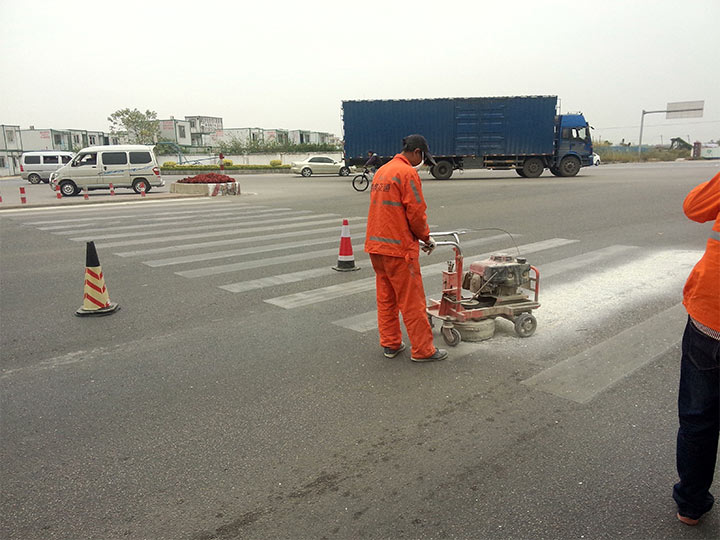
169,216
229,227
240,252
260,263
585,259
102,207
294,277
582,377
210,223
225,232
230,241
364,322
282,279
332,292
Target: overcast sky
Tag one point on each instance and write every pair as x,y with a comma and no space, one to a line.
281,64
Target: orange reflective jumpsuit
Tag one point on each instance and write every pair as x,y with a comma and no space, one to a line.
396,220
701,294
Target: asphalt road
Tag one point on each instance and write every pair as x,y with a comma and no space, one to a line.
240,391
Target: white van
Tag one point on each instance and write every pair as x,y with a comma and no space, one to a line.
96,167
37,166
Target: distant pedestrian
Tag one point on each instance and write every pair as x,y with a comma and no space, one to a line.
396,221
699,393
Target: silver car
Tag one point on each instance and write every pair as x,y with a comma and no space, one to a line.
38,166
319,165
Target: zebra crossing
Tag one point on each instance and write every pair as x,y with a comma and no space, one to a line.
262,249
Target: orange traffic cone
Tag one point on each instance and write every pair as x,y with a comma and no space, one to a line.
96,300
346,259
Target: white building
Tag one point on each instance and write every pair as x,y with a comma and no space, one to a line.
10,150
177,131
45,139
279,136
203,129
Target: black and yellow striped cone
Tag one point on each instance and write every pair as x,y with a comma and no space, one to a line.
96,300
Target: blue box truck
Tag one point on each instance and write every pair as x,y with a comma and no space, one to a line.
522,133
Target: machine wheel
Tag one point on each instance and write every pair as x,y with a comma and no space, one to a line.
137,185
525,325
344,171
442,171
569,166
307,171
34,179
68,188
520,173
360,182
533,167
451,336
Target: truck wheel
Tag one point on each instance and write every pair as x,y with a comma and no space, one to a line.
68,188
520,173
443,170
533,167
569,166
555,171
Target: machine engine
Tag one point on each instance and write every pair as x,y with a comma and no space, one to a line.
499,276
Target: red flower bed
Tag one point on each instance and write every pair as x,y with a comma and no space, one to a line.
209,178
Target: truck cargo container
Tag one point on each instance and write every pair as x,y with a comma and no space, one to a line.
522,133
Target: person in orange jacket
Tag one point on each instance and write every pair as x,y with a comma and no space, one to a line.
699,392
396,221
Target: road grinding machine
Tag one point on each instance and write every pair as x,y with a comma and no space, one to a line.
498,288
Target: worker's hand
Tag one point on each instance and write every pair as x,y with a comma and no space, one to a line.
429,246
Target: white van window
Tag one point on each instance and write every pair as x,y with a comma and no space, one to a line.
140,157
114,158
65,159
85,159
32,160
48,160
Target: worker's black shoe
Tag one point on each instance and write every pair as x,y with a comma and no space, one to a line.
392,353
439,354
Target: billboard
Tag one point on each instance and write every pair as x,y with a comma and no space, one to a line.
684,109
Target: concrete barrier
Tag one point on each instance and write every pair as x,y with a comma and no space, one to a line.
214,190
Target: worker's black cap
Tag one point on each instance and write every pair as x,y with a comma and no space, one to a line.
417,141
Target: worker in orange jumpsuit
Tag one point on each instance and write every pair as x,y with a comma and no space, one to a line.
396,221
699,393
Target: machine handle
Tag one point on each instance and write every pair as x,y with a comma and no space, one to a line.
455,243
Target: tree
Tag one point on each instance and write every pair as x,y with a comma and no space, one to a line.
142,128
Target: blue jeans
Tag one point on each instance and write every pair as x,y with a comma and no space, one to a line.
699,414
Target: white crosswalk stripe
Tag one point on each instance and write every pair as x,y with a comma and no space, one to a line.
238,252
337,291
179,217
217,224
229,241
227,231
580,291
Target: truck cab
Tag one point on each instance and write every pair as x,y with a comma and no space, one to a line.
573,145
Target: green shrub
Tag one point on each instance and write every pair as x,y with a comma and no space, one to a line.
169,164
227,162
275,162
217,167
